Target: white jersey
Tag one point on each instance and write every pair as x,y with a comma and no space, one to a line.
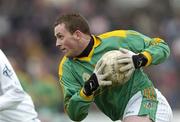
15,104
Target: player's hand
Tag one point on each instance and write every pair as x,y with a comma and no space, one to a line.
101,77
128,60
98,78
133,61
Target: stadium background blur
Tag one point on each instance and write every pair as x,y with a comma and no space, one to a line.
26,36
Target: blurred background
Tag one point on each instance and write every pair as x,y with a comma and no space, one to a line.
26,36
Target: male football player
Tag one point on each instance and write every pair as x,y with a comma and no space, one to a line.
83,81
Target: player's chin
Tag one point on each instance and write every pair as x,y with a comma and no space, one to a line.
62,53
69,55
66,53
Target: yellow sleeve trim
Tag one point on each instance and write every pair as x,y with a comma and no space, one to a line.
88,98
156,41
148,56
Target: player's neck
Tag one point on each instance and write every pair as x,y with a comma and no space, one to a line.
84,41
87,46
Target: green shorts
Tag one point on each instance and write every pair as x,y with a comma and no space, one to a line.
149,102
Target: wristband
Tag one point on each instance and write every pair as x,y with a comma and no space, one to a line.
139,60
91,85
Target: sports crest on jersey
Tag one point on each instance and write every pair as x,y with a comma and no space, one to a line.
7,72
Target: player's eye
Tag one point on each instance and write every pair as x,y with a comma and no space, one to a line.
58,36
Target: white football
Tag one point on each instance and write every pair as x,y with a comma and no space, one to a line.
110,59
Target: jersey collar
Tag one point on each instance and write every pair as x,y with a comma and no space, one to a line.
97,42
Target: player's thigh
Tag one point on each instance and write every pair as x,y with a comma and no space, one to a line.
157,110
137,119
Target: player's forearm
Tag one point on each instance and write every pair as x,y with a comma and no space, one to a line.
77,107
157,52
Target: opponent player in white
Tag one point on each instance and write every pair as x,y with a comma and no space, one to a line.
15,104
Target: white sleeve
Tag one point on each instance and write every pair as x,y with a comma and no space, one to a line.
11,92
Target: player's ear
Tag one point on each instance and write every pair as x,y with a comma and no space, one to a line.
77,34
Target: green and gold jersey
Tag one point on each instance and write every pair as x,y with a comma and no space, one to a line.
111,100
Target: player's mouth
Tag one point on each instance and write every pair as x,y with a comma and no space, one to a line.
64,50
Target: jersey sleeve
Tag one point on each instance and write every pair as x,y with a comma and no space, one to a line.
156,50
75,105
11,91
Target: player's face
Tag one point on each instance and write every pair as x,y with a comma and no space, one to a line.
66,41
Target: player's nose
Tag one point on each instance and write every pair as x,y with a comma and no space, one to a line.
58,43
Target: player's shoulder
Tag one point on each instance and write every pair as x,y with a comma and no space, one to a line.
135,33
115,33
63,61
119,33
62,64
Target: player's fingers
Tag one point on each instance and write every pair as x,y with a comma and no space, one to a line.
129,73
123,61
125,68
106,83
107,74
123,56
101,68
123,50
